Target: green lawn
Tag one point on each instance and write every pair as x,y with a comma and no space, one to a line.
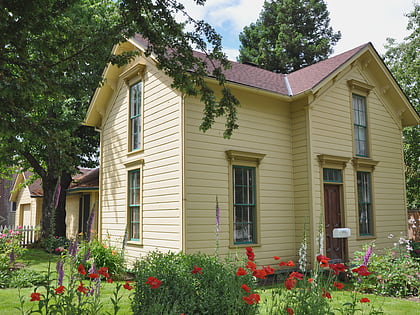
37,260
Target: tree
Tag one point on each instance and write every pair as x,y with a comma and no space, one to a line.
52,53
288,35
403,60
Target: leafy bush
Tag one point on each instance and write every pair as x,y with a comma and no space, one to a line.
101,255
24,278
170,283
55,244
10,247
394,272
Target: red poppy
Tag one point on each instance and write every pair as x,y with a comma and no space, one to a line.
276,257
321,257
361,270
282,263
35,296
252,299
246,288
326,294
250,255
337,268
268,270
259,273
128,287
364,300
310,280
59,290
289,311
296,275
103,271
153,282
241,272
249,249
81,270
338,285
289,283
251,266
109,280
93,275
197,270
82,289
290,263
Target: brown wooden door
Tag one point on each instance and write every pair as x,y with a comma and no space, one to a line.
335,247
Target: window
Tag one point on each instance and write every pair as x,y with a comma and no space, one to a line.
135,115
244,193
360,125
364,203
332,175
134,204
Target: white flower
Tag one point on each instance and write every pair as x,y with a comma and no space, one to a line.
390,235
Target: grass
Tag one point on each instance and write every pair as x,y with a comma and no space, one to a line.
389,305
38,260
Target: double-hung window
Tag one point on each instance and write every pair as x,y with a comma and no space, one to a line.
135,115
360,125
364,194
134,205
244,204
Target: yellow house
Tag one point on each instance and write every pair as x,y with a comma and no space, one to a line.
81,198
322,144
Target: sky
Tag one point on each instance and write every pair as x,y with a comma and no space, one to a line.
360,21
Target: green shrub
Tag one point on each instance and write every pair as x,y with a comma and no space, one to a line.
10,247
213,289
394,272
101,255
55,244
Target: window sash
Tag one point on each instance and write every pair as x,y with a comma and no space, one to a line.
244,204
332,175
135,115
360,125
134,204
364,203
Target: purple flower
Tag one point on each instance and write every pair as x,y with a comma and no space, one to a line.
11,257
73,248
367,255
60,272
217,216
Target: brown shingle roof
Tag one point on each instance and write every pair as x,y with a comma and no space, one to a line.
309,77
290,84
85,179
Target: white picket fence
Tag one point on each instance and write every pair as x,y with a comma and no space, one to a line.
30,234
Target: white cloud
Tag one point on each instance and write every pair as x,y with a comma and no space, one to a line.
359,21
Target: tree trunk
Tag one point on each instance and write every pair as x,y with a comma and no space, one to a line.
60,212
51,209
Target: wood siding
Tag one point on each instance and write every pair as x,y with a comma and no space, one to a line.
264,129
332,134
160,161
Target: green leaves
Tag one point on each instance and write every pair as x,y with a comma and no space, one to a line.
403,60
288,35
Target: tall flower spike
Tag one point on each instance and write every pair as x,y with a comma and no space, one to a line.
367,255
60,272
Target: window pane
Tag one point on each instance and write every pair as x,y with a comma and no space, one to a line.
364,203
244,204
360,125
332,175
135,115
134,204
